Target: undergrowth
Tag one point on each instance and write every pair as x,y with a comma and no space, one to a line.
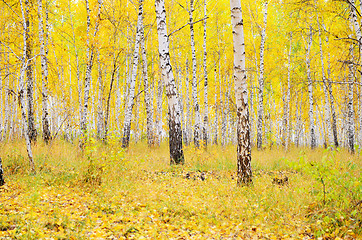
106,191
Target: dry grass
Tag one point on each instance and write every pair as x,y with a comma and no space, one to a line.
107,193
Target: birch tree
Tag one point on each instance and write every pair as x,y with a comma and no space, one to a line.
206,105
243,126
2,181
327,113
90,60
310,92
44,71
148,99
132,83
261,82
21,89
29,75
175,131
286,116
194,79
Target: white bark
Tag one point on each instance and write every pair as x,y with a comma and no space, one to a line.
132,83
159,112
90,58
261,82
188,107
100,117
216,111
194,79
44,72
29,75
175,131
206,105
310,92
327,113
241,96
22,88
148,99
331,99
286,117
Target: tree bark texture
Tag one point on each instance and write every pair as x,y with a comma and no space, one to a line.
244,171
175,131
132,83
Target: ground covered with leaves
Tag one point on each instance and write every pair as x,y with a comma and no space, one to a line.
107,193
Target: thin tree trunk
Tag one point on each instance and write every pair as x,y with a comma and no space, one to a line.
286,116
206,105
100,118
44,72
331,99
194,79
261,83
88,74
188,107
310,92
2,181
216,106
159,111
29,76
175,131
148,99
327,114
130,98
350,110
241,95
24,68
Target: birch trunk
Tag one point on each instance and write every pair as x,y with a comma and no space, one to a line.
22,87
286,117
29,75
44,72
7,104
130,98
350,110
106,118
100,118
88,74
327,113
181,102
188,108
77,62
175,131
252,129
261,82
206,105
216,111
2,181
310,92
331,99
148,99
159,111
194,79
241,96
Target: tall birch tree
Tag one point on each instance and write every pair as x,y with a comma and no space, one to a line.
175,131
29,74
90,60
43,38
244,171
310,92
21,89
194,79
206,105
261,82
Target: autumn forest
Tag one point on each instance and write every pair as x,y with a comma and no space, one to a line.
180,119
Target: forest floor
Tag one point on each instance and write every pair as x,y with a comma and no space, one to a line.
107,193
